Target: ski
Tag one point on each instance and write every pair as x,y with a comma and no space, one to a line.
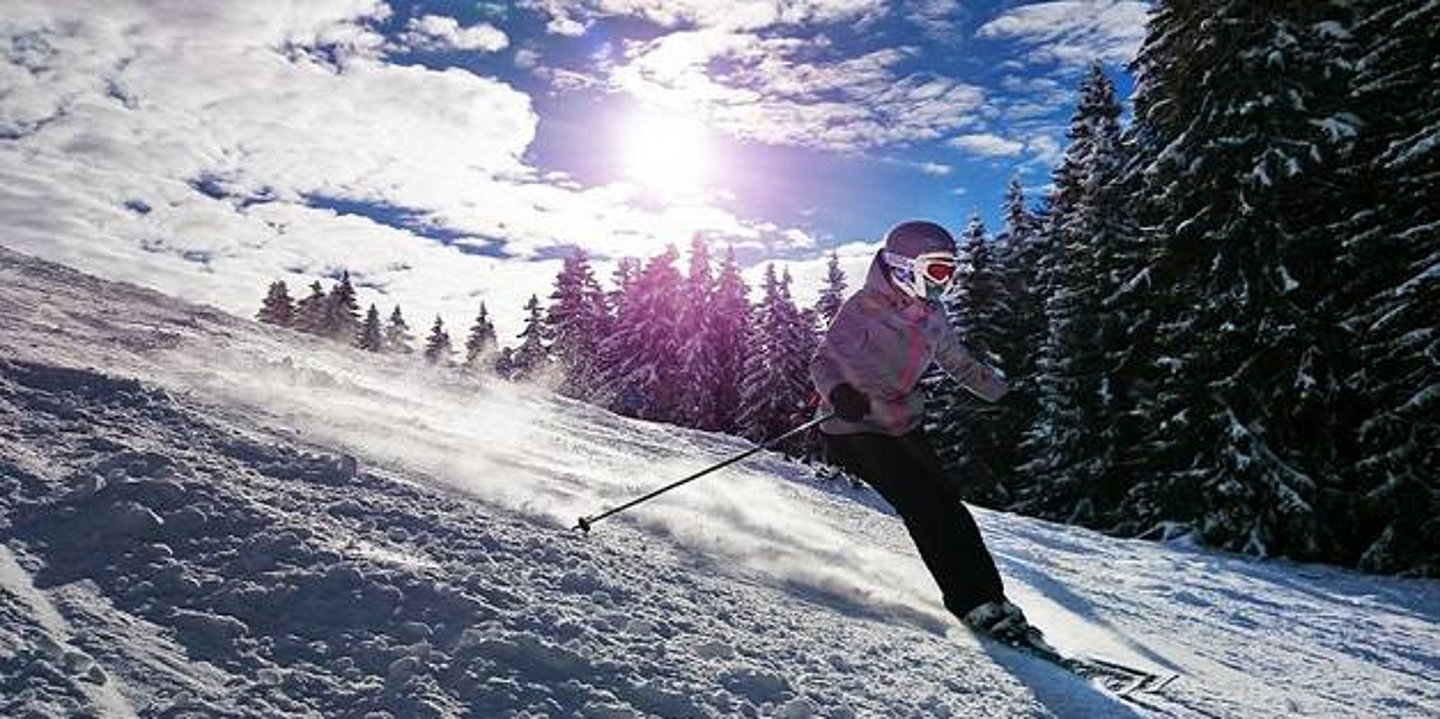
1122,680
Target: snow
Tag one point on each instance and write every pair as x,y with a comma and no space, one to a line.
1426,276
203,516
1424,398
1288,282
1340,126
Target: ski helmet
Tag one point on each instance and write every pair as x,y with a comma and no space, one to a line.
920,257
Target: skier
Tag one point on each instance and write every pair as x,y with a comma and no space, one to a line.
867,370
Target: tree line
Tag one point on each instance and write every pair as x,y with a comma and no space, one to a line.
686,348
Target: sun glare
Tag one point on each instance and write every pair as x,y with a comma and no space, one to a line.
667,154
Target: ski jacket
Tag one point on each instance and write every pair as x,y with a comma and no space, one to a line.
881,342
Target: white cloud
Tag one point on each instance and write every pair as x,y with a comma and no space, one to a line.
176,144
572,17
942,20
440,32
1073,32
786,91
987,145
527,59
1045,148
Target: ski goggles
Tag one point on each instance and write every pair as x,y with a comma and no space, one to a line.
937,267
929,277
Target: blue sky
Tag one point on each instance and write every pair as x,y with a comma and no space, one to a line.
447,153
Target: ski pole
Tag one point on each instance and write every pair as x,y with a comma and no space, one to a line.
585,522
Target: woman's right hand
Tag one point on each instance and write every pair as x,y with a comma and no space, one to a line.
850,404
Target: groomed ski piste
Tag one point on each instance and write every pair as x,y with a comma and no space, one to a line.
204,516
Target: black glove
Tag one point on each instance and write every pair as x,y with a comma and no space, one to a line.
850,404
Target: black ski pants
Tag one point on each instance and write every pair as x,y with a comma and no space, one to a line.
906,472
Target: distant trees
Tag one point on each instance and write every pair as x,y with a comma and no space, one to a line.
438,348
533,354
576,322
775,384
341,314
481,343
372,338
729,323
312,311
278,308
832,294
641,356
397,334
687,348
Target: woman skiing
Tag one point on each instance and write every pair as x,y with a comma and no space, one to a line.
867,369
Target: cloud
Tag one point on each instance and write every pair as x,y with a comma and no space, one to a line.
987,145
573,17
439,32
1073,32
527,58
941,20
796,91
1045,148
181,145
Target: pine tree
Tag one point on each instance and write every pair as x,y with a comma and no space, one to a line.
642,353
311,311
577,320
617,347
533,355
729,325
397,334
803,339
505,363
342,311
1390,297
1019,249
1235,98
832,295
775,385
970,444
371,337
697,342
1070,453
481,343
278,308
438,350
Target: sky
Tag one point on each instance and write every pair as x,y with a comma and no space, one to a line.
450,153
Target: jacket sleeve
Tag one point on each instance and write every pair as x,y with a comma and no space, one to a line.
844,357
981,379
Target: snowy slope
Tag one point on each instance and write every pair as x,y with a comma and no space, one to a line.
207,517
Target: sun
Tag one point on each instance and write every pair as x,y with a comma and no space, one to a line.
668,154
